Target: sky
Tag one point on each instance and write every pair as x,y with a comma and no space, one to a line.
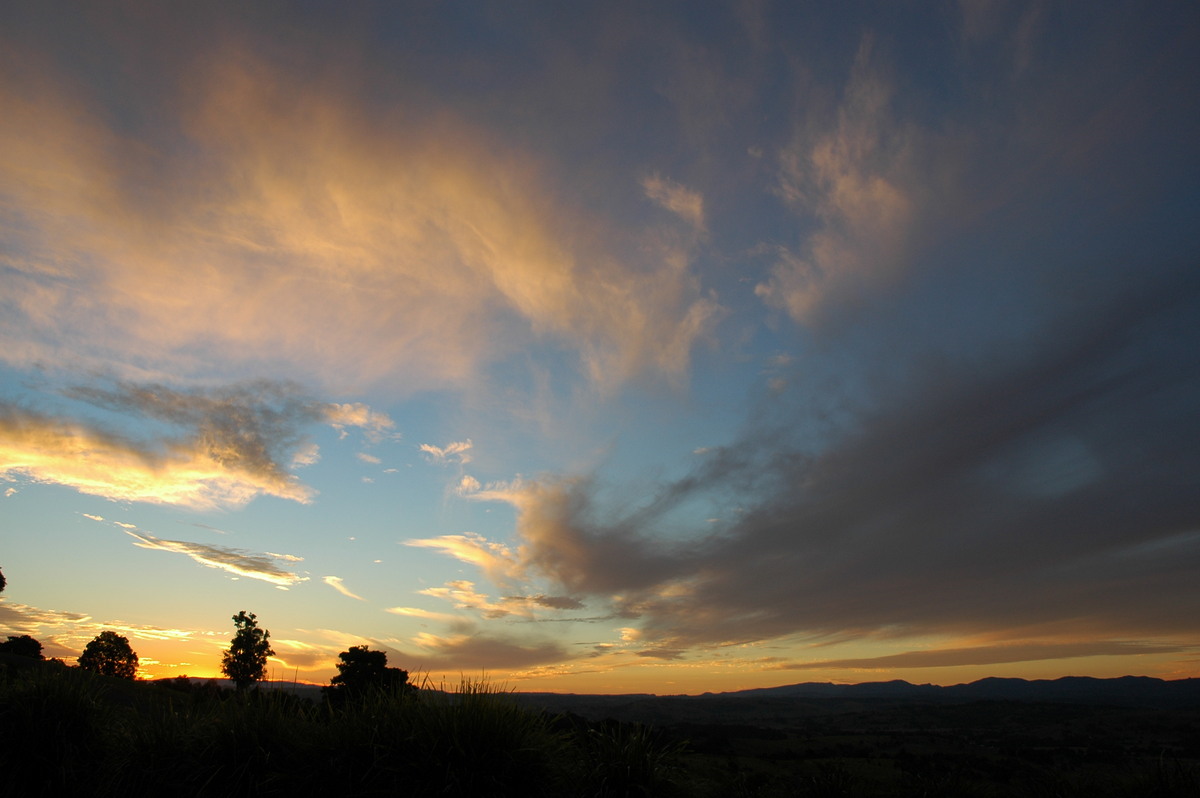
605,347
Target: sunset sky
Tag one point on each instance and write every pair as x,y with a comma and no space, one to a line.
605,347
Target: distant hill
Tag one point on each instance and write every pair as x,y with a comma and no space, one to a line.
1139,691
782,705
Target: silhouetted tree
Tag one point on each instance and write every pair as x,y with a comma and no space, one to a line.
109,654
246,660
361,668
2,582
22,646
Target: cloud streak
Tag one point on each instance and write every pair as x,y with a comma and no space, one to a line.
264,567
335,582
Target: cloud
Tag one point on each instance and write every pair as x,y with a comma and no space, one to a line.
991,655
64,634
684,203
463,595
375,424
495,559
481,651
548,602
28,619
853,180
368,458
429,615
229,451
458,450
288,222
335,582
1043,495
306,455
263,567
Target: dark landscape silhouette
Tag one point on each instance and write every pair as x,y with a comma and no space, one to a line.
70,730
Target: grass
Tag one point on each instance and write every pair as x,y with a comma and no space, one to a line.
63,731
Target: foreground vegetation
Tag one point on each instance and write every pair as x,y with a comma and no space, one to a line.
65,731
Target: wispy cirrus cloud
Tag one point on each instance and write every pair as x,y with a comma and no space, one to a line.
263,566
335,582
428,615
855,180
289,225
683,202
456,451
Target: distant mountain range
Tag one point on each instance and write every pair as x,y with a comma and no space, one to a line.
812,698
790,702
1123,691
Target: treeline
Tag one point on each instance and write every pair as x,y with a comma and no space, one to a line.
65,731
95,730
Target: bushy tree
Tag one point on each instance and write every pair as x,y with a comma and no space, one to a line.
109,654
246,660
22,646
2,582
362,668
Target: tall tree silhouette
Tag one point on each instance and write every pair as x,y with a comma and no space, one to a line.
2,582
246,660
109,654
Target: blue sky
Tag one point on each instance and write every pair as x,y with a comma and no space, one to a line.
605,347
